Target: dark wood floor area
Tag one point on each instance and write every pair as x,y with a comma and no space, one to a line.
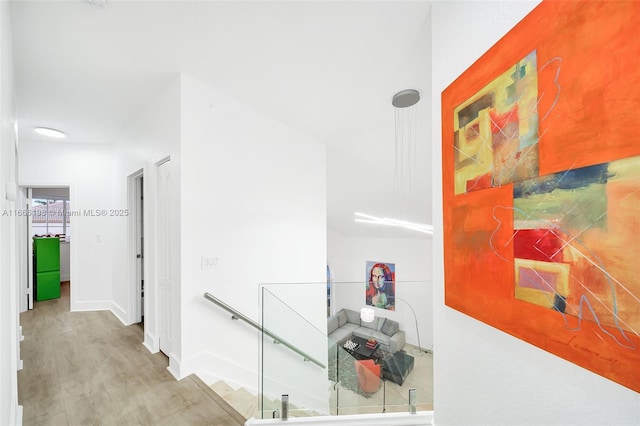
86,368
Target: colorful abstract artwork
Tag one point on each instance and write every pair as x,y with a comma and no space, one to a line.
380,290
541,186
496,131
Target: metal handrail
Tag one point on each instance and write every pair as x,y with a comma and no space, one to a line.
277,339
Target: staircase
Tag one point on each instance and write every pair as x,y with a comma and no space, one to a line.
246,403
243,401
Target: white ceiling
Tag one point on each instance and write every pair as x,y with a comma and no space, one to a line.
328,69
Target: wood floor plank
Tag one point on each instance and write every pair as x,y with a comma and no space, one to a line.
86,368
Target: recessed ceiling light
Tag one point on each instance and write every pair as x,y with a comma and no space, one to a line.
52,133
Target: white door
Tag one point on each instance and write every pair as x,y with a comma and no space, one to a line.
139,246
30,294
165,272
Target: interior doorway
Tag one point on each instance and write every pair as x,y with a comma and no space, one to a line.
136,209
47,218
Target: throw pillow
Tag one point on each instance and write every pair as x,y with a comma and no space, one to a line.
353,316
332,324
381,323
342,318
390,327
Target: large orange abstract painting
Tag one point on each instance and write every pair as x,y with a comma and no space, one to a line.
541,185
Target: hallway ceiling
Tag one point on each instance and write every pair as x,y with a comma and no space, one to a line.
328,69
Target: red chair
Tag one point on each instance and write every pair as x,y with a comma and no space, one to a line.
368,374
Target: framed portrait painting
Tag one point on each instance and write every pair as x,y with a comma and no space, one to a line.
380,290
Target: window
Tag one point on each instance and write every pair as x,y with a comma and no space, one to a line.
50,218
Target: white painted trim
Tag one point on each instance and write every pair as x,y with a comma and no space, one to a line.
162,160
151,343
28,256
421,418
199,365
132,277
65,247
92,305
24,271
119,313
73,260
15,418
175,367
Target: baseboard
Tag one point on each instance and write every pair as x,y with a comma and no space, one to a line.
151,343
94,305
119,313
210,368
175,367
19,415
15,418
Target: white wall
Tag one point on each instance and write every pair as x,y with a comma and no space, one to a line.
10,412
65,261
483,376
253,196
87,171
347,258
153,135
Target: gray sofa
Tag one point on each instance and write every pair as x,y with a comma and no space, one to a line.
346,323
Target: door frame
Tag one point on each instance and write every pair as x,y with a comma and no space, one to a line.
134,207
163,300
25,256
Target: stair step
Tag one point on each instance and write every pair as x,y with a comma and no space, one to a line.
222,402
222,388
243,401
246,403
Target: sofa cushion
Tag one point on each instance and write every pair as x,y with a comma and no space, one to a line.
381,323
343,333
342,318
352,316
332,324
374,325
390,327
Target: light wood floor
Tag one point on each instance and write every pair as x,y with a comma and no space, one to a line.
86,368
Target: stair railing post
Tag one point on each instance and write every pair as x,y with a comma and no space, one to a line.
285,407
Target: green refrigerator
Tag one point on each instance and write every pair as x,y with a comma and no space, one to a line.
46,258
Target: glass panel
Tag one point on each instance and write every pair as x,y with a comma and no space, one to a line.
355,378
294,349
408,363
359,388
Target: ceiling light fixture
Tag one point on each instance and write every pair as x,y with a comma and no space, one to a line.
52,133
420,227
406,121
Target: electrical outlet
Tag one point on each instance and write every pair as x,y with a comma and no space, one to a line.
208,262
